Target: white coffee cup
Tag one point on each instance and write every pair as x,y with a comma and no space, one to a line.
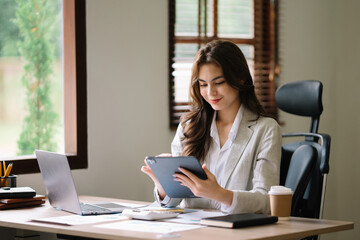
280,202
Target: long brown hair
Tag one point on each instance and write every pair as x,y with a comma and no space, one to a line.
196,123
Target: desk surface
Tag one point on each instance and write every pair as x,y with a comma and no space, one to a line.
295,228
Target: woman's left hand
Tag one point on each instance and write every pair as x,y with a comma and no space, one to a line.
208,188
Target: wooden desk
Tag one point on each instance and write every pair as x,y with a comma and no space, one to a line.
295,228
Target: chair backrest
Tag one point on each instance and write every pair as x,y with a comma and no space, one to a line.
312,202
301,165
304,98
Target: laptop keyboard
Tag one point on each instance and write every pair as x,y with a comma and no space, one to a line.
91,209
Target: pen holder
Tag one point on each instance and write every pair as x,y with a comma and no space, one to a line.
9,181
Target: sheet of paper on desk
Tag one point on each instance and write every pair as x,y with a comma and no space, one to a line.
149,226
194,217
131,205
79,220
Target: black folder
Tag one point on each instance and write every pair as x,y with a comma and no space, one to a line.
239,220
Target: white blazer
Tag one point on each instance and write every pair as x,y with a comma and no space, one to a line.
252,168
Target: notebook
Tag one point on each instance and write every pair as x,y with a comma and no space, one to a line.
239,220
60,187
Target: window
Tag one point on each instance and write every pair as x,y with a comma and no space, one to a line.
249,24
74,134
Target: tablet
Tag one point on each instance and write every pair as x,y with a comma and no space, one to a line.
165,167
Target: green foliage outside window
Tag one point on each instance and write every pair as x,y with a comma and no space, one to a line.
9,30
35,20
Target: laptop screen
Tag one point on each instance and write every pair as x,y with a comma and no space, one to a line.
58,181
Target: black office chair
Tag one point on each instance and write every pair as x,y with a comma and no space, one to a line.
301,165
304,98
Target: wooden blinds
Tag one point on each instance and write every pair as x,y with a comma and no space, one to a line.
249,24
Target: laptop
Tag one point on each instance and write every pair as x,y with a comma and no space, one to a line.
60,187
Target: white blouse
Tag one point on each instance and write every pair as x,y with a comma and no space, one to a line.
252,150
217,156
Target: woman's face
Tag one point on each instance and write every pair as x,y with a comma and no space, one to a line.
215,89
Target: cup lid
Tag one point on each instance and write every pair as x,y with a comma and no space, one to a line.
280,190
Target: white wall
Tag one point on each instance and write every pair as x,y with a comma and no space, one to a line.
346,166
321,40
127,94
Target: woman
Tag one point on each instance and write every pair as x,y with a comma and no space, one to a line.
228,131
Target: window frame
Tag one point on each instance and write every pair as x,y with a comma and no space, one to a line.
75,76
266,67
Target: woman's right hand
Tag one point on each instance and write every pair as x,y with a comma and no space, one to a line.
147,170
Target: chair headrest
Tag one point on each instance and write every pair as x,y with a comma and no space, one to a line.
302,98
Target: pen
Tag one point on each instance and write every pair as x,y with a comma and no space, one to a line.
1,180
4,166
8,170
4,180
168,210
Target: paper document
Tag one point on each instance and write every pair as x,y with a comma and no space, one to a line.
131,205
195,217
79,220
91,219
149,226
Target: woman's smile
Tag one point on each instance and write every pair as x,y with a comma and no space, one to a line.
215,101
